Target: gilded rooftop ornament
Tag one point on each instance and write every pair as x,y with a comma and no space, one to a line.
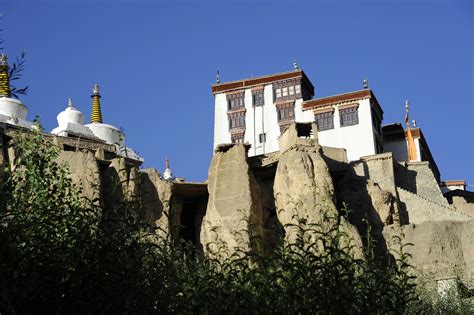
5,90
365,83
96,115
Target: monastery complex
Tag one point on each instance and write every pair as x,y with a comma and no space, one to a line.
279,153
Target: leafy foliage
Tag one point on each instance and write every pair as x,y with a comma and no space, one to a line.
60,254
16,72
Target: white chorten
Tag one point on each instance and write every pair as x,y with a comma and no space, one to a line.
71,123
12,111
168,174
108,133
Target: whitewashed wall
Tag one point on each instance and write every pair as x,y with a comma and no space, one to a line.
358,140
221,122
258,120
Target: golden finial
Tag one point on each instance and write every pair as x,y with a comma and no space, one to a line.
4,78
69,102
96,115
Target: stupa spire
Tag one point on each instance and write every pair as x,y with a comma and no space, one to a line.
4,78
96,115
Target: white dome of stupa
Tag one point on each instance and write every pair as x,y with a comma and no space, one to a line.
168,174
70,115
71,123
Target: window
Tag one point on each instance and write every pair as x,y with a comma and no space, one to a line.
262,137
238,140
349,116
257,98
237,122
325,121
287,90
235,101
291,90
286,113
238,137
298,89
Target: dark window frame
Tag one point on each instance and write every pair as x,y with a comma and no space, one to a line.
349,116
262,138
287,90
237,122
238,140
324,121
258,98
286,113
235,101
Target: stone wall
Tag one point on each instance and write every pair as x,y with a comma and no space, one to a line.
420,209
378,168
462,205
85,173
440,249
418,178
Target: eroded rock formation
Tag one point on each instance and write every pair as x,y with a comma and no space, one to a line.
234,209
156,196
303,189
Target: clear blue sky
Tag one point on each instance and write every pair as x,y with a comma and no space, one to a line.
155,62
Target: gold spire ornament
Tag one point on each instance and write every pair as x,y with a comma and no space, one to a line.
4,78
96,115
411,142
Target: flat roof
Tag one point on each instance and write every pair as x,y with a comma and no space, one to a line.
340,98
266,79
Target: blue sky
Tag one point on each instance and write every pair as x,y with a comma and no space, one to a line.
156,60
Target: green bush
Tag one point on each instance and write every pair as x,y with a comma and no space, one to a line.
59,256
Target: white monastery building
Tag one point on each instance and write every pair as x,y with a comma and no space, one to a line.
256,110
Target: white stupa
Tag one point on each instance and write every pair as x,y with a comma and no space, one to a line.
168,174
12,111
71,123
108,133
